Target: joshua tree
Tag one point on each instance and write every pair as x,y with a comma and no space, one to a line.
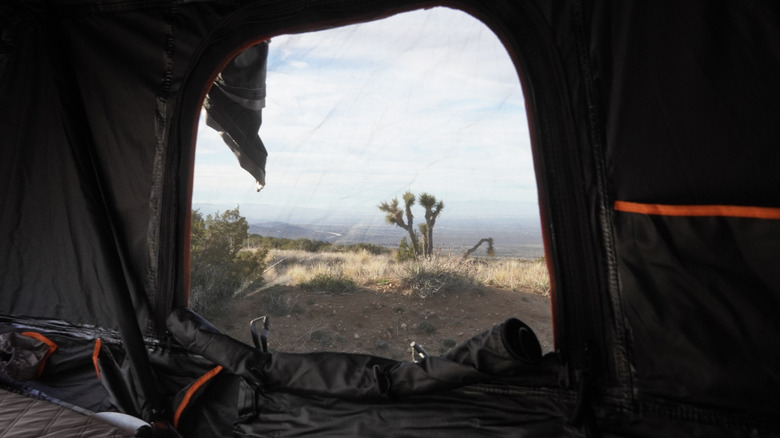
490,251
395,216
432,210
426,246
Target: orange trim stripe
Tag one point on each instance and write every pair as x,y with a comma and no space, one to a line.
95,354
192,390
699,210
52,346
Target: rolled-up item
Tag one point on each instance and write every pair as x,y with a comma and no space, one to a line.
343,375
199,336
354,376
504,348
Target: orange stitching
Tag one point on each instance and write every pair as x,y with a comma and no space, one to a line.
52,346
191,391
699,210
95,354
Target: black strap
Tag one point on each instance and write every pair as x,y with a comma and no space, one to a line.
261,343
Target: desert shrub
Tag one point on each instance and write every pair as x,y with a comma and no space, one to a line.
437,275
219,267
448,343
405,252
322,282
320,337
249,266
302,244
311,246
426,327
211,289
370,248
280,303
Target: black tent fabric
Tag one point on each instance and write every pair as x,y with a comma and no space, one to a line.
234,107
507,349
655,147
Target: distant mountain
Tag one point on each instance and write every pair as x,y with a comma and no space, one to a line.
514,226
290,231
512,239
455,212
262,213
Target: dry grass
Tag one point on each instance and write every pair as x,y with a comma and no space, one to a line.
279,303
422,277
294,267
515,274
439,274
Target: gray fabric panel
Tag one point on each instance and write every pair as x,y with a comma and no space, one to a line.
22,416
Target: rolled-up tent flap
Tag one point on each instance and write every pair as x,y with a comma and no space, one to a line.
199,336
234,108
505,349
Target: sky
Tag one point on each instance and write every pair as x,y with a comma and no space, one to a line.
426,101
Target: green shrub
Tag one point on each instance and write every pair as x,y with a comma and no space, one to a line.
448,343
322,282
405,252
368,247
426,327
308,245
211,288
218,267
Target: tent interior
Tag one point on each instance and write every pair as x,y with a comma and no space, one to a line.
645,173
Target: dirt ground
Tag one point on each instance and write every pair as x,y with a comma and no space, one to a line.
381,321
